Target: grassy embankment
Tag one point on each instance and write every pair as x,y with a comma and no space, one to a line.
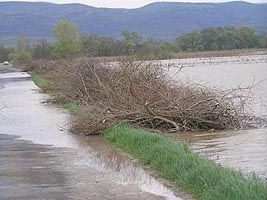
175,162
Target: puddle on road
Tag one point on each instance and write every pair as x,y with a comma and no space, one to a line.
25,115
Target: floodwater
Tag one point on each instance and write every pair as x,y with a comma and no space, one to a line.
244,150
40,159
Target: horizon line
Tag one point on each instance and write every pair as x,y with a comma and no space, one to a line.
71,3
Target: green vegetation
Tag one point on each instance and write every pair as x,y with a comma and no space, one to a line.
221,38
174,161
43,50
68,39
71,43
38,80
4,53
131,43
73,107
20,54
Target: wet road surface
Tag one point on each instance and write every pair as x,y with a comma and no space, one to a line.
40,159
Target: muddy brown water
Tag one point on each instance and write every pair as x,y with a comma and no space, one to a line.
40,159
242,150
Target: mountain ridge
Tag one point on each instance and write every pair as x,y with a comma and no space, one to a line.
159,19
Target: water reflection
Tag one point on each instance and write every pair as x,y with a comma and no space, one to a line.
126,170
86,166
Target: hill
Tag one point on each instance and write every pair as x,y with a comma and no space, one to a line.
160,20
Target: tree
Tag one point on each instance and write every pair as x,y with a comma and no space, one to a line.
220,38
152,49
131,41
4,52
209,38
42,50
68,39
248,37
21,56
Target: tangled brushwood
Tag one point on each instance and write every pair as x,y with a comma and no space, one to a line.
140,93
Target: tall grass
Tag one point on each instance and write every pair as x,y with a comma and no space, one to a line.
174,161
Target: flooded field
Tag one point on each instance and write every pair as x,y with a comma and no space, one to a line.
40,159
243,150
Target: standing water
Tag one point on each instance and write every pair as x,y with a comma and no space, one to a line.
244,150
40,159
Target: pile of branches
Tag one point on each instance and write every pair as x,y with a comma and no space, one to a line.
43,66
142,94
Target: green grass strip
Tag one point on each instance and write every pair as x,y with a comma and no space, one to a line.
38,80
174,161
73,108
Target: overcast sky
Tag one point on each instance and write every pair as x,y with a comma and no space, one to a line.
131,3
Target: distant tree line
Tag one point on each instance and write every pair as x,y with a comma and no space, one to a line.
4,52
71,43
221,38
131,43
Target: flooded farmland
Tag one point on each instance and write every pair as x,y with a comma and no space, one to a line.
243,150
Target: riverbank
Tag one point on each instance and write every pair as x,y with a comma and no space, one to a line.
175,162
